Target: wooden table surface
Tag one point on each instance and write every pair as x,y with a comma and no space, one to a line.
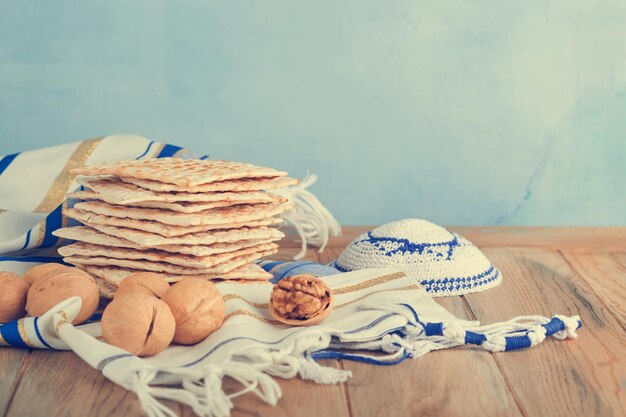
546,271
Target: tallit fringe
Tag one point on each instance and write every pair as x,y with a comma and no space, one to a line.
202,390
311,220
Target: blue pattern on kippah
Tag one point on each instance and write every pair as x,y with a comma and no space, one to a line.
405,246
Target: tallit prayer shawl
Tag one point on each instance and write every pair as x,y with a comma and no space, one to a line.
377,310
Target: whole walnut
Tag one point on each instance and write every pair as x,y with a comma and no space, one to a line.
147,283
51,289
43,270
139,323
301,300
13,290
198,308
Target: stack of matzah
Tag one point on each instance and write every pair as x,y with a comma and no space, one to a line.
178,218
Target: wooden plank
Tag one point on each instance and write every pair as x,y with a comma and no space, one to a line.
431,385
582,377
61,384
605,272
511,236
12,364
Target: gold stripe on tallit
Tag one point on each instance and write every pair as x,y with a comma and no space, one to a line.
250,314
369,283
228,297
42,233
408,287
22,331
2,341
60,323
60,186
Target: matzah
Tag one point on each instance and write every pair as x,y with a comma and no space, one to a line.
115,191
90,235
181,207
187,261
114,275
166,230
181,172
165,267
234,185
241,214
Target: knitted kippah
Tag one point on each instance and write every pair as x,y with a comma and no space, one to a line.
442,262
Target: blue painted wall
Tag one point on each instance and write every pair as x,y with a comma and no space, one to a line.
474,112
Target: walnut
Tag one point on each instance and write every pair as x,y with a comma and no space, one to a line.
51,289
42,271
198,308
147,283
139,323
13,290
301,300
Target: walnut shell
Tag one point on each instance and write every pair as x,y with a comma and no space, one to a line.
198,308
13,290
50,290
43,270
147,283
139,323
301,300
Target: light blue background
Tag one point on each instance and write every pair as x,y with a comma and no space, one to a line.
473,112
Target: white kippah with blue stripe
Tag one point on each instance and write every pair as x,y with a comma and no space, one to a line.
442,262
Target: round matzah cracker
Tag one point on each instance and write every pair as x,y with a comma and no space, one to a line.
181,172
234,185
90,235
114,275
187,261
166,267
155,227
241,213
114,191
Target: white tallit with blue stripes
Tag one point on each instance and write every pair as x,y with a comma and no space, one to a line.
377,310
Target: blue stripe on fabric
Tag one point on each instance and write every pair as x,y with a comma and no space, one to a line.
43,259
334,354
11,335
553,326
53,222
268,265
282,274
168,150
146,151
39,335
433,329
517,342
372,324
203,157
27,240
6,161
472,338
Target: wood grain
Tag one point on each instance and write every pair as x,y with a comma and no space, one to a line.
60,384
13,362
582,377
605,271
